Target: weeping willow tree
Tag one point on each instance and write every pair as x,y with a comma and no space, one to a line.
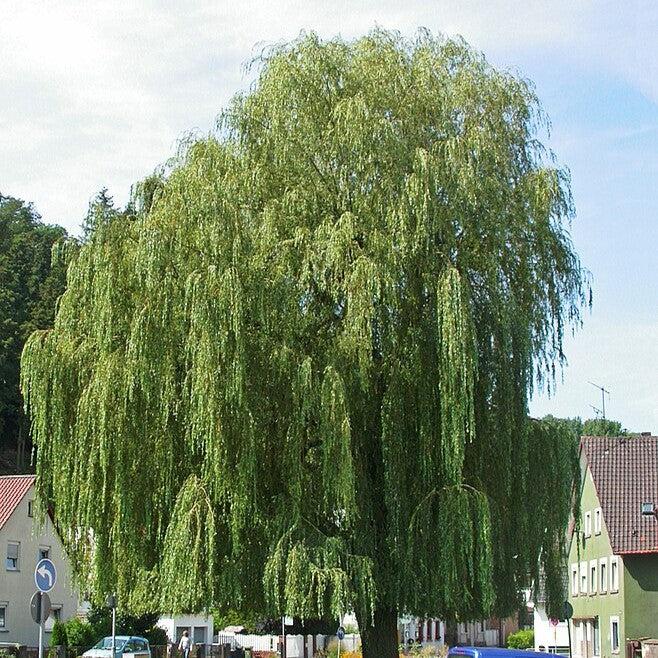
299,378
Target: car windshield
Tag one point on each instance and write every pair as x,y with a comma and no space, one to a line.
106,643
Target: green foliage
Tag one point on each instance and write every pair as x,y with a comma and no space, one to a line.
523,639
29,288
58,635
590,427
603,427
81,634
252,621
100,625
298,378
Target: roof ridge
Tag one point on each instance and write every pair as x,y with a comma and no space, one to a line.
18,475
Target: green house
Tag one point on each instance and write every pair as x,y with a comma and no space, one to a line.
613,560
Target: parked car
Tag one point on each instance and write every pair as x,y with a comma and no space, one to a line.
495,652
126,646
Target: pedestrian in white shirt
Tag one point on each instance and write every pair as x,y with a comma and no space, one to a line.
185,644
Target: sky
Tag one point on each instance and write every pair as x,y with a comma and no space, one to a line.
98,94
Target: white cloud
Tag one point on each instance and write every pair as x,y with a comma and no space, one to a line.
98,93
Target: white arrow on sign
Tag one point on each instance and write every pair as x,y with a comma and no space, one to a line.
45,573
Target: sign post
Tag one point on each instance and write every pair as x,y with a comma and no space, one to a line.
111,602
285,621
45,577
340,634
567,613
40,609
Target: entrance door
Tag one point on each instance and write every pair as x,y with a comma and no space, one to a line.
587,643
200,640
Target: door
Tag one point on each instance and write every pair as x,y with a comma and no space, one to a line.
199,639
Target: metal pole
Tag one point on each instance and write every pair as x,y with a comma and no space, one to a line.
569,631
338,647
40,634
114,631
283,634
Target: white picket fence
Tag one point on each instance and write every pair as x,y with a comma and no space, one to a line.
297,646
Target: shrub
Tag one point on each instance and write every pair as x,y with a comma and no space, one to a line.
58,635
521,639
80,634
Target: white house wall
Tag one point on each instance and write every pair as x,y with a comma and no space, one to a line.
17,587
548,637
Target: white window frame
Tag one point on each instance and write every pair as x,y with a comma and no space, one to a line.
30,508
578,635
614,574
18,556
584,578
575,579
4,605
596,624
615,620
588,524
593,584
603,575
597,521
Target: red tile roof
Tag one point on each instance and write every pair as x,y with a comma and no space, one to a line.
12,490
625,474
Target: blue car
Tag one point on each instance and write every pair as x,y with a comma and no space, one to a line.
492,652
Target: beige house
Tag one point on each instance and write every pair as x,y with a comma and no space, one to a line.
22,544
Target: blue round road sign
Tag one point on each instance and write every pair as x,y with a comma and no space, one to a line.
45,575
340,633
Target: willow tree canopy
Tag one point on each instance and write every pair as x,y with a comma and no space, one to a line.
300,377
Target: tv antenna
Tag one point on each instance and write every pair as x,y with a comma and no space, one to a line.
604,392
597,411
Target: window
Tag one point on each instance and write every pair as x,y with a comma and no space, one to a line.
614,634
597,521
603,575
13,556
583,577
574,579
30,508
578,633
614,573
593,577
588,524
596,637
55,615
3,616
44,552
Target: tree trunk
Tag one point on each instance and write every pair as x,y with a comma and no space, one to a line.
380,640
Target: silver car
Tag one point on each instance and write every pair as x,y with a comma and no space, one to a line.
126,646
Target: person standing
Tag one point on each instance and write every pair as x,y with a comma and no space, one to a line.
185,644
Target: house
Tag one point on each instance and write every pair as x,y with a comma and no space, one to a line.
199,627
551,635
422,631
613,561
23,543
490,632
